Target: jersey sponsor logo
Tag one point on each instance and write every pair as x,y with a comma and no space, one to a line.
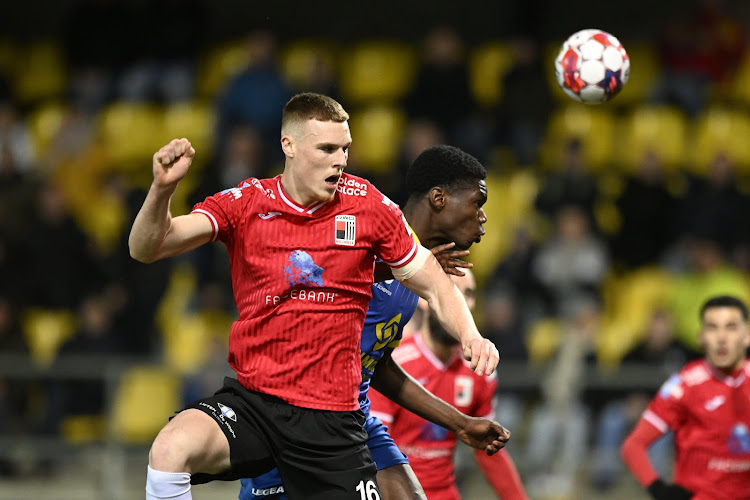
345,230
739,440
219,416
235,192
727,465
671,388
351,187
302,270
463,390
269,215
714,403
433,432
268,192
228,412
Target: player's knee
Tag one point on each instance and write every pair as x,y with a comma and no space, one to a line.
170,450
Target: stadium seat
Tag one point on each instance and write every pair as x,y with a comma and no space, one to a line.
720,130
630,300
542,340
218,64
593,126
194,120
40,73
82,429
509,206
44,123
145,399
131,133
45,331
648,128
303,60
377,71
488,63
739,89
378,131
645,70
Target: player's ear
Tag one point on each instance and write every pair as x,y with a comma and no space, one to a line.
437,198
288,145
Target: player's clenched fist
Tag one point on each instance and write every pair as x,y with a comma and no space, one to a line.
172,162
483,355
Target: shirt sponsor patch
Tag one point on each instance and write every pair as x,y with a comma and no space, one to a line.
346,230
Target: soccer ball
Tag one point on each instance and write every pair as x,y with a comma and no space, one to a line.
592,66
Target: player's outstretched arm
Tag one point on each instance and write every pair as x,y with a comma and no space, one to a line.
394,383
155,233
450,261
425,277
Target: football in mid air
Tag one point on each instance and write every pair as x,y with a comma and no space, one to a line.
592,66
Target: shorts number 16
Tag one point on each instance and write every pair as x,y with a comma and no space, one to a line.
368,491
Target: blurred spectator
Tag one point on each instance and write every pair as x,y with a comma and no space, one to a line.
442,94
516,272
526,102
16,146
13,396
711,206
699,49
256,94
707,274
659,348
647,210
58,258
569,184
572,264
162,68
558,429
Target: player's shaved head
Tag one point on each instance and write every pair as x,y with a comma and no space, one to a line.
310,106
443,166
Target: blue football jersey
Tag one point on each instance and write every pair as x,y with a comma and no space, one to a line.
391,307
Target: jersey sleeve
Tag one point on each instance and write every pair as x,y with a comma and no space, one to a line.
667,410
382,407
393,243
224,209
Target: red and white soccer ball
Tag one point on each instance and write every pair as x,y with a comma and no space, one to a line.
592,66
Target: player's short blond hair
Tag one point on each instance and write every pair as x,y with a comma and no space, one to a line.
311,106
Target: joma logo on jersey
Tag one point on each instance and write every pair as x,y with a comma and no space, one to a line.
345,230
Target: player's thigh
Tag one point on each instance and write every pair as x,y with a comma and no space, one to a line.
191,442
399,482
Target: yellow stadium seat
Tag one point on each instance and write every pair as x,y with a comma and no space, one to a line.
644,73
543,339
195,120
739,89
45,122
40,73
716,131
488,63
303,60
81,429
45,331
145,399
378,131
131,133
593,126
219,63
377,72
663,130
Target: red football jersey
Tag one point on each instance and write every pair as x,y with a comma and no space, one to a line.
301,278
709,413
430,447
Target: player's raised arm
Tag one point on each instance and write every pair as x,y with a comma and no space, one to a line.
425,277
155,233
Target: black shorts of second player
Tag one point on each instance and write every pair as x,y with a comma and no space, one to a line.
320,454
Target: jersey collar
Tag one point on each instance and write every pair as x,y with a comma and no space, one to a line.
293,204
430,356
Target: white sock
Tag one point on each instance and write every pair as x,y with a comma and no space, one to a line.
171,485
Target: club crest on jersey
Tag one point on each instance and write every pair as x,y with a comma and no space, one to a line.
464,391
345,230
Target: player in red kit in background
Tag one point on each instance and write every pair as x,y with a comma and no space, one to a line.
302,247
433,358
707,406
